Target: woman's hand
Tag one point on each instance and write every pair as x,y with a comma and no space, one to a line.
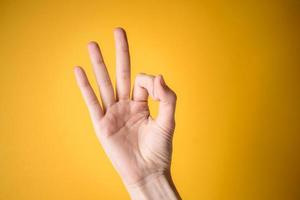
138,146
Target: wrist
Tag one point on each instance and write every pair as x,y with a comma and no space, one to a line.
155,186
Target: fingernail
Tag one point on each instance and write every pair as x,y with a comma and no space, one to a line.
162,81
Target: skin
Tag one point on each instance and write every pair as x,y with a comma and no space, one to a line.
139,147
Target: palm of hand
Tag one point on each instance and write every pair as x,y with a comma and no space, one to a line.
137,145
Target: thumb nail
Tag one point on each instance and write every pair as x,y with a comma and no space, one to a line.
162,81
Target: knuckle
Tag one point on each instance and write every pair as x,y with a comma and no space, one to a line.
124,76
144,77
125,50
140,74
85,85
106,82
98,61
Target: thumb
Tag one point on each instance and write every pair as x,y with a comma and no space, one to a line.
167,103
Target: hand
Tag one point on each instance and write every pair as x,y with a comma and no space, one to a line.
138,146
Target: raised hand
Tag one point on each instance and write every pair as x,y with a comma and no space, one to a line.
138,146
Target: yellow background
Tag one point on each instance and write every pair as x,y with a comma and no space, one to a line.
234,66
